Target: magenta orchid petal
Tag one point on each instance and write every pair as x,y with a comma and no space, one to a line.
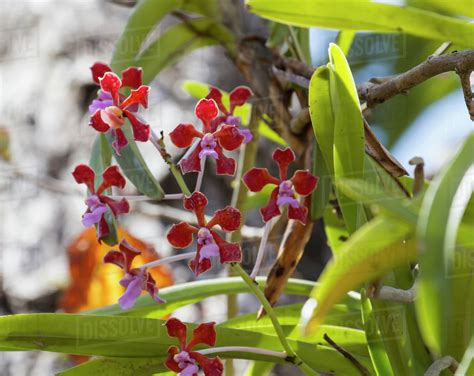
247,135
285,200
208,251
93,217
133,291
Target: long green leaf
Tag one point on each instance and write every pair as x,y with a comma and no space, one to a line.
361,15
348,134
135,168
192,292
320,196
377,351
130,337
466,367
445,289
374,249
178,40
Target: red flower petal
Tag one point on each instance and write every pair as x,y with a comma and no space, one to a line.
170,363
98,70
115,257
198,267
132,77
184,134
129,253
111,82
298,214
83,174
224,165
192,163
229,137
97,123
304,182
120,141
181,234
228,252
197,203
151,288
215,93
271,210
138,96
141,131
178,330
228,219
257,178
204,333
102,229
111,177
117,207
206,110
283,157
210,366
239,96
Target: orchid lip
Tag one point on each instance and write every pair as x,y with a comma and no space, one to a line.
208,145
112,116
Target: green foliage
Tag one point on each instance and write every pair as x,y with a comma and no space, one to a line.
362,15
445,282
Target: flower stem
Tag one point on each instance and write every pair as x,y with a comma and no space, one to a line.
261,249
168,260
253,286
171,196
159,144
200,175
251,350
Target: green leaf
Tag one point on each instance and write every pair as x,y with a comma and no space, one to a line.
344,40
130,337
445,286
456,7
144,18
336,230
374,249
349,144
320,196
101,157
192,292
259,369
362,15
200,90
466,367
135,168
377,351
179,40
118,367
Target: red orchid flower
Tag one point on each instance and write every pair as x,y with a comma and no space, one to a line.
97,202
237,97
209,243
226,137
111,108
135,280
183,360
302,182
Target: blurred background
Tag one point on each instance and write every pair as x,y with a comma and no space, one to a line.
48,262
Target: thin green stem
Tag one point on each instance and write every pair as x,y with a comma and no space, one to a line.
159,144
253,286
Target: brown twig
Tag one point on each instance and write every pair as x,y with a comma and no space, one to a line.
439,365
419,180
465,78
460,62
364,371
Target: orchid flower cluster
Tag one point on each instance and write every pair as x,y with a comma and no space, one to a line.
220,131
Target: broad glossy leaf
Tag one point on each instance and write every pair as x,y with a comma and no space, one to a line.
191,292
376,347
135,168
360,15
320,196
445,286
349,152
455,7
377,247
344,40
